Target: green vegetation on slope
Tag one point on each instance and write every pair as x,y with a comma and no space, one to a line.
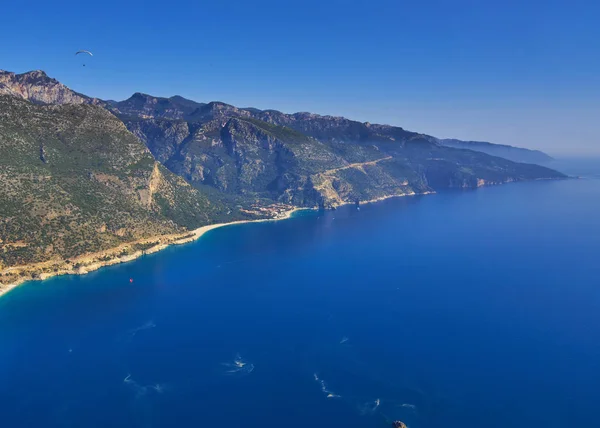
78,180
251,158
75,181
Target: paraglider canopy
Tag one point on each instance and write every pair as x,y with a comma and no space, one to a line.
84,52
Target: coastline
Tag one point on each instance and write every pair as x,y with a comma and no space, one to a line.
86,263
90,262
383,198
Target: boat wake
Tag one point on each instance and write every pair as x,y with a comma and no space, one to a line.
327,392
409,406
130,334
369,407
238,366
141,390
147,325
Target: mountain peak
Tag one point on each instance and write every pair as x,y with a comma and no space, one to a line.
139,95
218,104
149,106
37,87
36,73
180,99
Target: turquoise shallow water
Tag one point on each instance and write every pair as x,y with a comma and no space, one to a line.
470,309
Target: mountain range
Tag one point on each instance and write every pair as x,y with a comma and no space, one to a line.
82,175
516,154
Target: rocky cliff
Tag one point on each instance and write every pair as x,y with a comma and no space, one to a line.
37,87
331,129
308,159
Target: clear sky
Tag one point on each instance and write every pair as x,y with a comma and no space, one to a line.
521,72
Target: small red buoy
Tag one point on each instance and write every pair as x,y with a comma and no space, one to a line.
130,280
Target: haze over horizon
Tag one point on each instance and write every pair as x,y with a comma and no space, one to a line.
507,73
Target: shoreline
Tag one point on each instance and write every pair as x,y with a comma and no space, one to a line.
384,198
86,263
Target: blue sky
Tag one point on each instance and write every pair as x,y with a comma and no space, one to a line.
512,72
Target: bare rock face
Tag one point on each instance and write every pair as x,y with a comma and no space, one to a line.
330,162
162,137
37,87
303,157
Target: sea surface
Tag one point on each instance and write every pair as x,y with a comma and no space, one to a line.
462,309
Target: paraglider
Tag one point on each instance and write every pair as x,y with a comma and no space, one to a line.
84,52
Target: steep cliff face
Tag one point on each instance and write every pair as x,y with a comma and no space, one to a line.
37,87
324,128
242,155
330,129
237,157
162,137
76,181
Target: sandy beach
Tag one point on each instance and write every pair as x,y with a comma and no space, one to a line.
16,275
83,264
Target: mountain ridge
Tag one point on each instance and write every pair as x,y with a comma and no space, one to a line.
355,130
76,182
36,86
180,108
516,154
82,175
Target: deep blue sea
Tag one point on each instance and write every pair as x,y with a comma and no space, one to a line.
471,309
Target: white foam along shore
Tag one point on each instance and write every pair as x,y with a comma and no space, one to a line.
90,262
